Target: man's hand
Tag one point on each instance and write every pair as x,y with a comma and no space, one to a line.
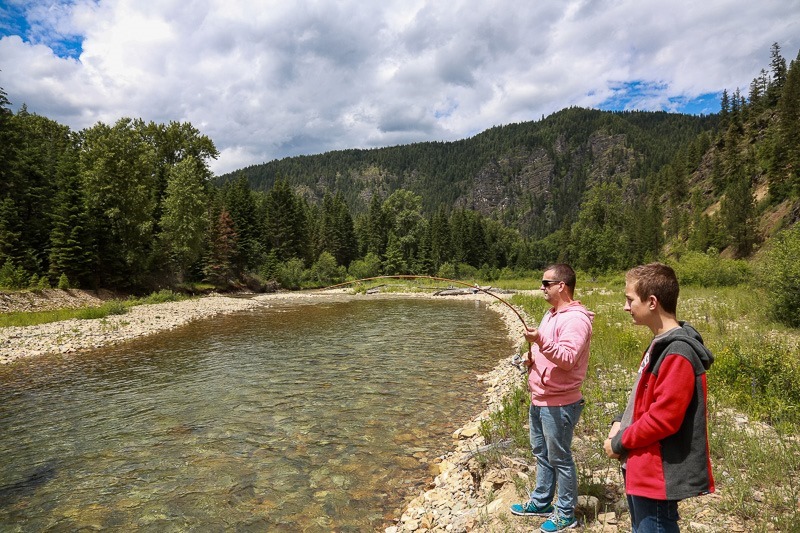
531,335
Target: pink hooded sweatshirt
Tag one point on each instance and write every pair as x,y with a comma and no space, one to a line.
560,356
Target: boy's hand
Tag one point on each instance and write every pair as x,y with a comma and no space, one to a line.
607,444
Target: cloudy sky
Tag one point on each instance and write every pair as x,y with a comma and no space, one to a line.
270,79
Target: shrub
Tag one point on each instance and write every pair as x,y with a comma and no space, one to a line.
369,267
325,271
13,277
63,282
291,274
710,270
162,296
447,270
113,307
780,271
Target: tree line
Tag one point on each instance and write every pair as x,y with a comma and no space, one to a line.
134,206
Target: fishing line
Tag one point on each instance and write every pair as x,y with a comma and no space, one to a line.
414,276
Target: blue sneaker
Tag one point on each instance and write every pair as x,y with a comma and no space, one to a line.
530,509
559,523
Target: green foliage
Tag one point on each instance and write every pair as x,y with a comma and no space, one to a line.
113,307
13,277
509,421
162,296
325,270
447,270
368,267
291,274
710,270
63,282
183,220
761,376
779,270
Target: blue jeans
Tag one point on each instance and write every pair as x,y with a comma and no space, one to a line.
653,516
551,431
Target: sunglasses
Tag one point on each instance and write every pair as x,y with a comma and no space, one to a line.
548,282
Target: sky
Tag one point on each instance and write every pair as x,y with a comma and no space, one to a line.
271,79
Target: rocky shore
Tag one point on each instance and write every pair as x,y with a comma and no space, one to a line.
68,336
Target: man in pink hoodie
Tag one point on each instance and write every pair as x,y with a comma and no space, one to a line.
557,363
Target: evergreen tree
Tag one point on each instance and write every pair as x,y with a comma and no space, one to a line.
778,65
394,263
440,238
335,230
725,109
737,211
220,268
41,143
183,220
598,236
785,174
240,203
71,244
286,225
376,229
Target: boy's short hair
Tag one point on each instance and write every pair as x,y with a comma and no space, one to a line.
564,273
656,279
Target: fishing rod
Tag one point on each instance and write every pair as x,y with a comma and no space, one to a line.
435,278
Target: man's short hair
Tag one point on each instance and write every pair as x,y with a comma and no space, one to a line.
564,273
656,279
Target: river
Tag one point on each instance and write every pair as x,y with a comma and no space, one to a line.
289,418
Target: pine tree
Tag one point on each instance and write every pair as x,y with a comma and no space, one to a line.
376,228
737,210
778,78
785,176
183,220
240,203
286,224
395,262
219,266
71,242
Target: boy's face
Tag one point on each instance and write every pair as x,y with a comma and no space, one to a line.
638,309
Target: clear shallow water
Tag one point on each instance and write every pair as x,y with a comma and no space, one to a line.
299,418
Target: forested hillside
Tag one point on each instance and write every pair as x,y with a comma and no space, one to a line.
134,206
530,176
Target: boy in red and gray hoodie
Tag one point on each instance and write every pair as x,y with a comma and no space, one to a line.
662,437
557,363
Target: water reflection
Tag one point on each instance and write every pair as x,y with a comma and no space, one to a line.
304,418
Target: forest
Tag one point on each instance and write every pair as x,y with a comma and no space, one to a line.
133,206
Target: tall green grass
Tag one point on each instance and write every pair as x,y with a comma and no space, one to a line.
111,307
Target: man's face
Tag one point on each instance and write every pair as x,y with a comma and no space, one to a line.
634,305
551,286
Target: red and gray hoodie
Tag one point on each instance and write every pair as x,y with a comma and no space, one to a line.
665,444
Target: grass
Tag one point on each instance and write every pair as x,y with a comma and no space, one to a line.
754,399
111,307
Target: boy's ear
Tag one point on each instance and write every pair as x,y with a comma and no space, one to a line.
652,302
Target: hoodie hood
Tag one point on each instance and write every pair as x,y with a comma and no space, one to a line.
679,339
575,306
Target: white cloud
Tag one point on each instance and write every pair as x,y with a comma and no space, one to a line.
271,79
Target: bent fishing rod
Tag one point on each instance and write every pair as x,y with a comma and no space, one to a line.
434,278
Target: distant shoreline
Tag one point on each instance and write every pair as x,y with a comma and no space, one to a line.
74,335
